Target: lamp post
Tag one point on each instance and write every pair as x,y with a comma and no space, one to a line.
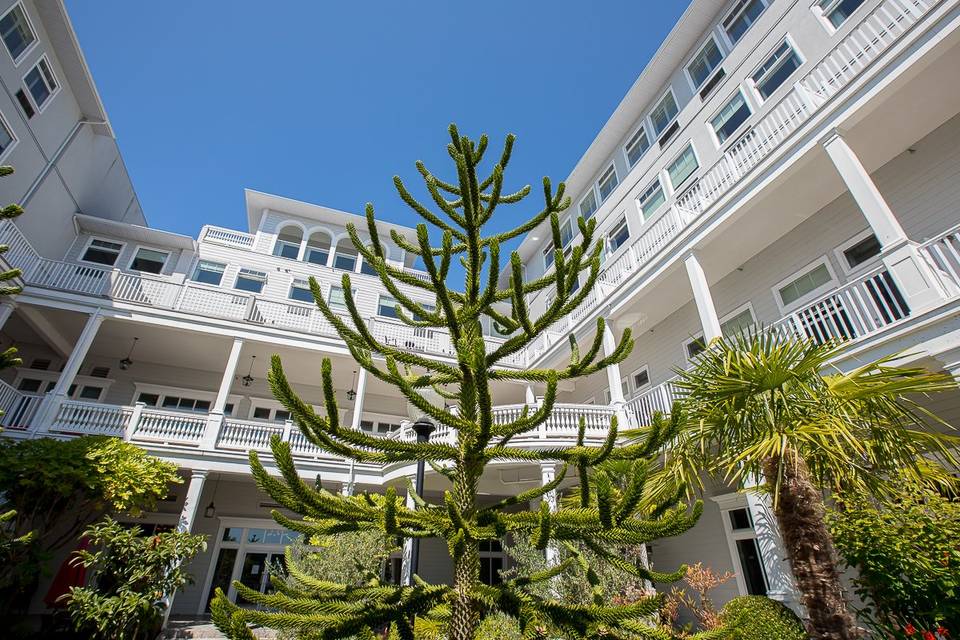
423,428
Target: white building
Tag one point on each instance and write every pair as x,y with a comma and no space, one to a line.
777,162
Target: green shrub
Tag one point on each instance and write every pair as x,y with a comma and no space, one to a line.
760,618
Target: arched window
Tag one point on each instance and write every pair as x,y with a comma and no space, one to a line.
288,242
318,248
345,258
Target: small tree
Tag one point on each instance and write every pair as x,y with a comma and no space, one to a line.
57,488
132,574
766,407
906,551
464,207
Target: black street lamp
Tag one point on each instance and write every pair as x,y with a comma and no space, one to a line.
423,428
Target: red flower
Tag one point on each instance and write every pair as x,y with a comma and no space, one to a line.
942,631
928,635
909,629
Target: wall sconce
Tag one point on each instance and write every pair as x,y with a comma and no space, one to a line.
248,379
127,362
352,394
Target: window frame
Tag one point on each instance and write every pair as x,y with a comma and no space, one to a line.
726,34
249,275
53,94
755,84
690,339
698,50
825,20
646,136
622,222
610,171
380,301
650,187
732,502
591,192
866,265
166,259
162,391
300,283
36,39
746,306
634,389
196,268
656,105
696,157
810,296
13,137
549,249
86,248
741,128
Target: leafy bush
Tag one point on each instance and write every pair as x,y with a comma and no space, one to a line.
907,554
760,618
133,574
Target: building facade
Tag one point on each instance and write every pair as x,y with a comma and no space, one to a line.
778,163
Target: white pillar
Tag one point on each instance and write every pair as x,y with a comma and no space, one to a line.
701,295
191,504
51,403
407,552
913,275
529,397
6,308
614,379
548,473
215,417
348,488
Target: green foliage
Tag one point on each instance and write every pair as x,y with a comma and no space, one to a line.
58,487
907,554
760,618
604,518
132,575
353,558
8,357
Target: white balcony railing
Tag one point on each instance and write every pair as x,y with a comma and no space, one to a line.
943,255
18,408
227,237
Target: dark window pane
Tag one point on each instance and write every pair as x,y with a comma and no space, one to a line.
859,253
752,567
740,519
222,571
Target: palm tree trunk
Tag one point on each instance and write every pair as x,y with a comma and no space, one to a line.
799,510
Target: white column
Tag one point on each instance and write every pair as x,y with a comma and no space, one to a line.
614,379
6,308
529,397
215,417
51,403
548,473
913,275
348,488
191,504
407,553
701,295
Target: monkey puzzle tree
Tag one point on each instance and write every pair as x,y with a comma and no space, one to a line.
604,517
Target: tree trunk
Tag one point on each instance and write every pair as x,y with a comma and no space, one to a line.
799,510
465,617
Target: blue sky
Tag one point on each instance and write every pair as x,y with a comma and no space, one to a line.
326,101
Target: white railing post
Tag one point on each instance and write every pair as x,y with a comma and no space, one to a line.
287,429
131,427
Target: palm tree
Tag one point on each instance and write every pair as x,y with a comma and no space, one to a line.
761,406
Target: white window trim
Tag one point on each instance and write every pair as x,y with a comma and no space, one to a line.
619,222
551,252
248,276
180,392
86,247
696,52
825,21
686,181
645,220
726,36
731,502
786,83
813,295
746,306
53,94
13,137
596,199
646,133
698,335
865,266
656,104
611,168
136,249
47,376
739,131
36,38
196,265
634,390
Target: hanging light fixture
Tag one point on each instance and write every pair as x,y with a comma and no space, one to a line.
248,379
211,509
126,362
352,394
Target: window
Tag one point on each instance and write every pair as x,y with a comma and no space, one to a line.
548,255
620,234
694,347
740,519
637,146
250,280
731,116
28,109
209,272
566,233
651,199
29,385
288,242
300,291
16,32
367,268
752,567
317,256
186,404
778,67
6,137
387,307
40,83
640,379
608,182
588,206
345,262
743,14
805,284
862,251
149,260
664,113
149,399
704,63
491,562
739,322
89,392
683,167
336,299
99,372
835,11
102,252
271,415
